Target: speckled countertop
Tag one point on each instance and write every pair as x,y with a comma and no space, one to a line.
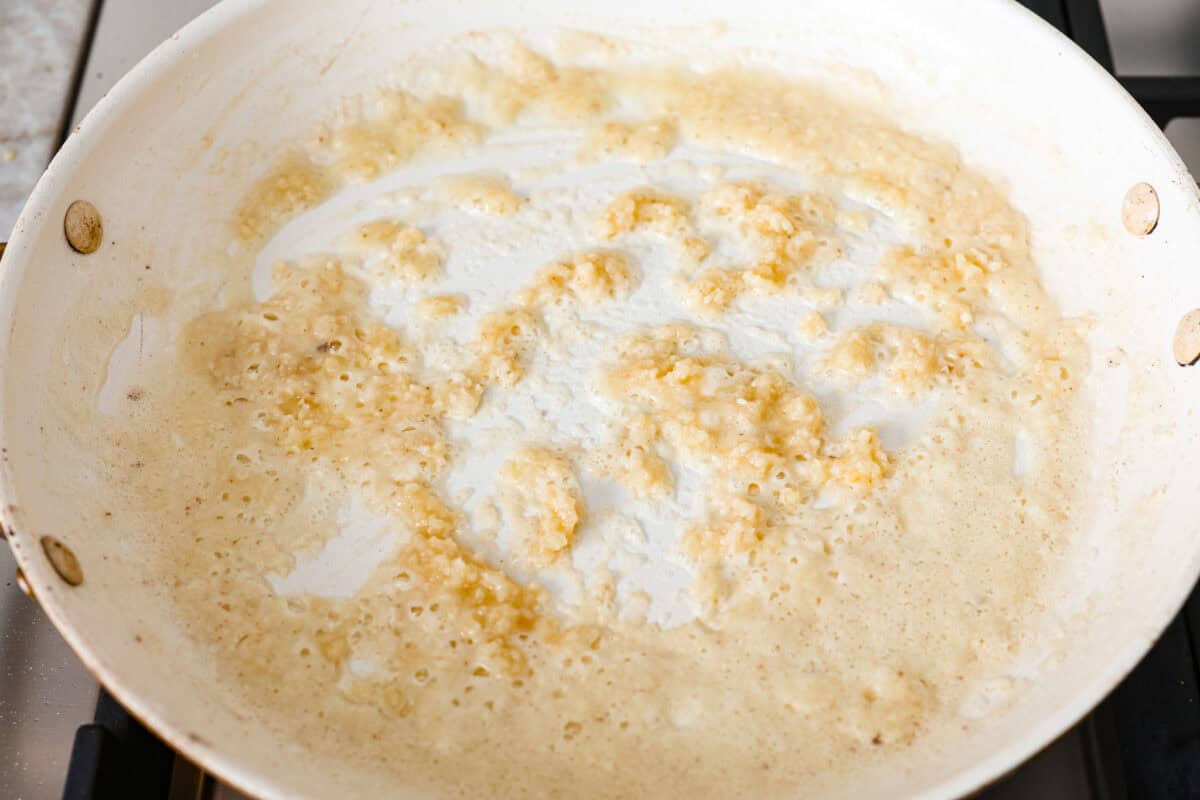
44,691
40,43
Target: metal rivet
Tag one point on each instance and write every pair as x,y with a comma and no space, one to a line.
23,584
83,227
63,560
1139,212
1187,339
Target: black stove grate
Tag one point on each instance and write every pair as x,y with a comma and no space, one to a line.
117,757
1141,743
1163,98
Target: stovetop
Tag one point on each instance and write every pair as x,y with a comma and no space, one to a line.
1142,742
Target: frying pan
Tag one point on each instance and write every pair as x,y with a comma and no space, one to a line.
165,155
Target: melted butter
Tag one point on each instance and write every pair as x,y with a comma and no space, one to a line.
846,594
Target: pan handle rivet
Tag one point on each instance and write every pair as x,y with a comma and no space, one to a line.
1140,210
23,584
83,227
63,560
1187,339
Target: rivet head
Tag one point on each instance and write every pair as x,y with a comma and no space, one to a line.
23,584
1187,339
83,227
63,560
1139,212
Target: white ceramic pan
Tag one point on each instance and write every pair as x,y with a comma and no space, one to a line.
1018,100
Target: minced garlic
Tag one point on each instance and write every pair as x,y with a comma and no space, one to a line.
912,361
400,250
632,459
487,194
647,208
761,437
789,233
293,185
503,341
541,498
812,326
440,306
589,277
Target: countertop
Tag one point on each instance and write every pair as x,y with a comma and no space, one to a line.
39,49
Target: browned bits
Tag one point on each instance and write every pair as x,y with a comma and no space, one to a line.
1139,211
83,227
1187,339
65,564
